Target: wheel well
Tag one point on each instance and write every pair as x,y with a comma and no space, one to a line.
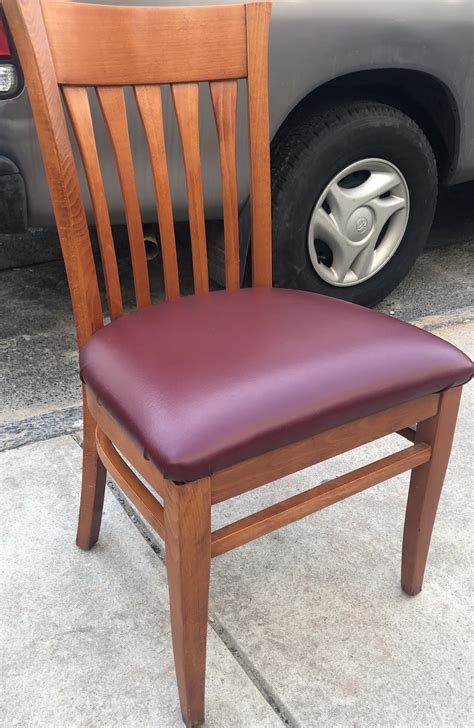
421,96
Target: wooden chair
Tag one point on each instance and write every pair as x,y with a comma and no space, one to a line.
215,394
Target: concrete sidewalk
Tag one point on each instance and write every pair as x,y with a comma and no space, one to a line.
308,625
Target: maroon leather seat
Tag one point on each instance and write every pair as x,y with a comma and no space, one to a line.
207,381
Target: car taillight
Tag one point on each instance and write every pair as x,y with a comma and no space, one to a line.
8,78
4,44
8,71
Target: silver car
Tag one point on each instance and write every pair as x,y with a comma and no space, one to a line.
371,108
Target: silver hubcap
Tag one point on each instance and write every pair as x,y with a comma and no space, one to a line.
358,222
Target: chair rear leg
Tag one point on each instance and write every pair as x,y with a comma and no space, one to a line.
425,490
188,561
93,486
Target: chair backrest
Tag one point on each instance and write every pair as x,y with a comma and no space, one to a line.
67,47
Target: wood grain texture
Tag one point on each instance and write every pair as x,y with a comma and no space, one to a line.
409,433
92,486
26,23
301,505
224,102
78,107
130,448
186,104
258,22
286,460
112,104
97,45
425,489
188,562
132,486
151,112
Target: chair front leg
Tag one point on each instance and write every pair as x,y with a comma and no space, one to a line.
425,490
93,485
188,561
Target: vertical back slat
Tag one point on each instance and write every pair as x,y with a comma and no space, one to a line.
151,112
223,44
224,102
78,107
258,21
186,103
112,103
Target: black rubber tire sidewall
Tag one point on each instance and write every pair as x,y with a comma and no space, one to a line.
313,156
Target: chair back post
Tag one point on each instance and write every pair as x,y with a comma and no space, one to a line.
26,23
258,26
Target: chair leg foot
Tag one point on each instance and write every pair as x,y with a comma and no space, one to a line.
93,487
188,562
410,590
425,489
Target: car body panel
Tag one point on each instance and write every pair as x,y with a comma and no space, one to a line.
312,43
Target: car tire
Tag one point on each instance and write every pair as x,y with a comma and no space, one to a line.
310,153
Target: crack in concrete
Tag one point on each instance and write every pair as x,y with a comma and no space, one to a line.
263,687
66,421
256,677
137,521
43,426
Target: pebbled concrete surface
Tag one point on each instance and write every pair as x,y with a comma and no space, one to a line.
321,610
441,282
38,347
308,626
